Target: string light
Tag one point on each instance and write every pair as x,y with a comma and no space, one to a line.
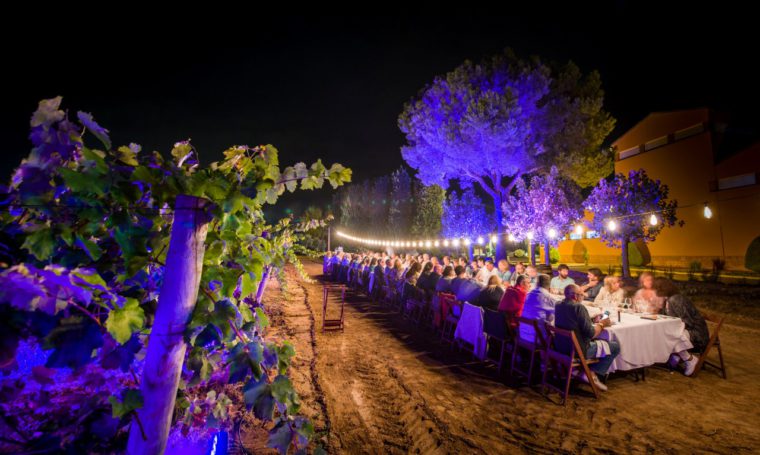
579,229
611,226
455,243
480,240
552,233
435,244
428,243
512,238
446,243
466,242
529,236
494,239
653,220
707,212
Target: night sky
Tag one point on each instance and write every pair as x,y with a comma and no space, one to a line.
333,88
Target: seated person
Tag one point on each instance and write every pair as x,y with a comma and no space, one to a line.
469,291
562,280
532,273
571,315
423,282
539,305
513,300
612,292
503,272
594,285
461,277
444,282
519,270
646,300
677,305
490,296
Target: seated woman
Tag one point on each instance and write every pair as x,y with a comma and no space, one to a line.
612,292
646,300
513,300
677,305
444,282
571,315
594,285
490,296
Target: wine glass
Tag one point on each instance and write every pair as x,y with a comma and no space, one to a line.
627,304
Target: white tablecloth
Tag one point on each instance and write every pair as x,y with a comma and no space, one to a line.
644,342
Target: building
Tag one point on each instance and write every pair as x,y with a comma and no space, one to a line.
705,164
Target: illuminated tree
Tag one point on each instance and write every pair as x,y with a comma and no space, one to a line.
465,216
490,123
624,207
546,209
428,210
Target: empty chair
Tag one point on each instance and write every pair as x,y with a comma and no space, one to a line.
526,351
498,334
714,342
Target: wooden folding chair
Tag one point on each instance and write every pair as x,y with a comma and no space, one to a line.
332,324
453,311
563,364
497,329
714,342
531,348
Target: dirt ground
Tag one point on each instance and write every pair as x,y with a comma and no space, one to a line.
385,386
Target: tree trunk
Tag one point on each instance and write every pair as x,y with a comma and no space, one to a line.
263,283
547,250
166,347
532,252
626,268
501,247
470,253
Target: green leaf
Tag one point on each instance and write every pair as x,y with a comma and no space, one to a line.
82,182
40,243
131,399
262,318
91,248
128,155
122,322
247,285
285,353
280,437
258,395
283,392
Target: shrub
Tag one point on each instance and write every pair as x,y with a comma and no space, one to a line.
635,258
694,268
554,256
752,259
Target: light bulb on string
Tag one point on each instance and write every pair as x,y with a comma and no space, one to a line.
494,239
466,242
446,243
529,236
579,229
428,243
653,220
552,233
512,237
436,243
455,242
480,240
707,212
611,225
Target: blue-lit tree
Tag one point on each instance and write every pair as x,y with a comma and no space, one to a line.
546,209
465,216
623,208
491,123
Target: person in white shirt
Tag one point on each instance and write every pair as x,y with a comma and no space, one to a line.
486,272
612,292
532,273
539,304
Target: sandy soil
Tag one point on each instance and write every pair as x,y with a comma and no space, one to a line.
384,386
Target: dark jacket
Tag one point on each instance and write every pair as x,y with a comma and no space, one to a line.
490,296
592,292
681,307
570,315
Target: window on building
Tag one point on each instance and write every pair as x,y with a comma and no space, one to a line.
592,235
737,181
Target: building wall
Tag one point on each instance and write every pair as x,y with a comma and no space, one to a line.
670,149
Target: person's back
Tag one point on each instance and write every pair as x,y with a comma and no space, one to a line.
443,284
538,305
490,296
469,291
569,315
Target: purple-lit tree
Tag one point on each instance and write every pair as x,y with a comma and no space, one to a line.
546,209
491,123
465,216
629,202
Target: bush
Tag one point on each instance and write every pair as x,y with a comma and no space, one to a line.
554,255
694,268
519,253
635,258
752,259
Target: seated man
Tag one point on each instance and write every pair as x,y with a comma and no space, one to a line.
468,291
562,280
571,315
519,271
594,285
504,273
538,305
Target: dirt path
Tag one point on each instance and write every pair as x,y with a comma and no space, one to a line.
389,387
